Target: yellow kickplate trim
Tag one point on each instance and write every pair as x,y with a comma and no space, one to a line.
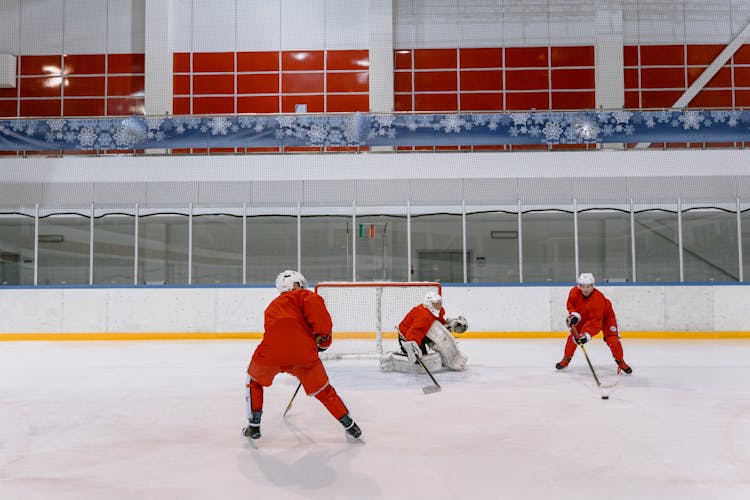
349,335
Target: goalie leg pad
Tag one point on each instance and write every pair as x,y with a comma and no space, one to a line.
444,343
397,362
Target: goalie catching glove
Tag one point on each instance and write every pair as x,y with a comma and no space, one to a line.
323,341
456,325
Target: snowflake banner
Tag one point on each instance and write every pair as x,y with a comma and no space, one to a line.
365,130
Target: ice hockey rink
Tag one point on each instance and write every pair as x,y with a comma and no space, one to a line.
162,419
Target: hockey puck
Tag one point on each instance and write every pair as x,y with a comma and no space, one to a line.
605,397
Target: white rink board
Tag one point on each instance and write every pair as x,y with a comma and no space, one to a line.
240,309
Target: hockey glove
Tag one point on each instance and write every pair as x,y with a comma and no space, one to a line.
573,319
582,338
456,325
323,341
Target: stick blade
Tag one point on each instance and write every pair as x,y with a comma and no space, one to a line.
431,388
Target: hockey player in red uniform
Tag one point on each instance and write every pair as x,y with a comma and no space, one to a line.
297,326
418,321
590,312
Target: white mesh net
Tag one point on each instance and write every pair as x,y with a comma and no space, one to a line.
365,314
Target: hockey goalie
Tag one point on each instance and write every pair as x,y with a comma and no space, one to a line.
426,334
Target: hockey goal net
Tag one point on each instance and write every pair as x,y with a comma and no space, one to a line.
365,314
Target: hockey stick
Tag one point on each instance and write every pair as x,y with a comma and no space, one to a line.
292,400
598,383
428,389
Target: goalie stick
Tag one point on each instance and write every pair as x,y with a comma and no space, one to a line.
598,383
428,389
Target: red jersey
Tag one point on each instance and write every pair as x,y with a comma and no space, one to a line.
291,322
417,321
596,312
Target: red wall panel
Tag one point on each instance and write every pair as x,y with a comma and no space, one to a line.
127,85
630,55
742,98
572,56
258,61
432,81
181,62
213,62
712,99
302,83
632,100
659,98
302,60
41,87
41,65
83,107
126,63
258,104
526,57
348,82
489,101
134,106
528,79
9,108
663,78
402,81
435,102
662,55
84,86
573,100
482,80
262,83
573,79
180,105
722,78
9,92
347,59
213,84
402,102
742,56
181,85
84,64
213,105
31,107
742,77
526,100
481,58
402,59
347,103
631,78
703,54
315,103
434,58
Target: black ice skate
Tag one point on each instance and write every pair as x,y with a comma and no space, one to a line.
252,429
623,366
351,428
563,363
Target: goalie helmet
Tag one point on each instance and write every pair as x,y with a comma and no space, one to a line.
286,279
586,279
433,302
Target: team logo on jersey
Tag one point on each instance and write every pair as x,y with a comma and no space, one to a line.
612,328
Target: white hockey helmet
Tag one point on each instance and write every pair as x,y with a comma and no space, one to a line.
286,279
433,301
586,279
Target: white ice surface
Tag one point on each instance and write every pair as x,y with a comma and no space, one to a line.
162,420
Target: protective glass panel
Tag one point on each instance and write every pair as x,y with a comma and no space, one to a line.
437,248
327,248
709,245
656,246
492,239
64,242
604,245
163,249
217,249
381,248
271,247
17,250
548,253
114,249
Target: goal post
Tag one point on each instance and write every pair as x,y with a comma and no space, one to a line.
366,313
